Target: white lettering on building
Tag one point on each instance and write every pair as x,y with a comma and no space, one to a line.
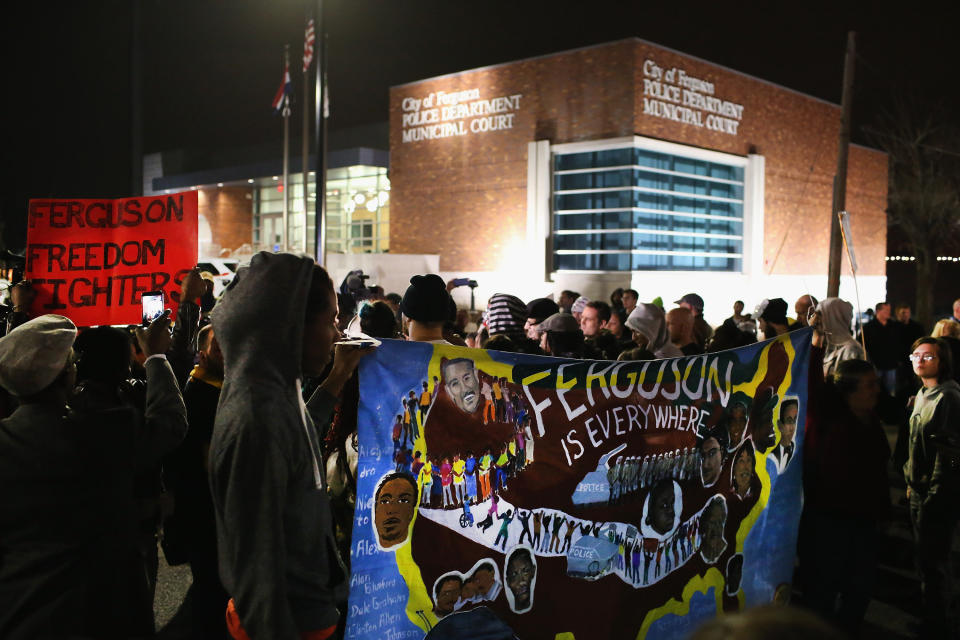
673,94
458,113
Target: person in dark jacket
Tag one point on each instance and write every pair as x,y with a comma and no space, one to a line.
70,565
845,454
191,531
276,322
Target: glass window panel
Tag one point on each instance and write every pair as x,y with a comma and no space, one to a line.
663,190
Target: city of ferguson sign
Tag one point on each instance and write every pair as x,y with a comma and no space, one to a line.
458,113
672,94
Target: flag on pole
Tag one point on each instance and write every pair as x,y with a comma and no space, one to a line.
308,40
281,101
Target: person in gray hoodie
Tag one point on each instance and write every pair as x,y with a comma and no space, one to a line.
932,472
278,558
649,326
834,320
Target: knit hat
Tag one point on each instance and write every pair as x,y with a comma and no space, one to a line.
506,314
34,354
541,309
579,304
560,323
774,311
426,299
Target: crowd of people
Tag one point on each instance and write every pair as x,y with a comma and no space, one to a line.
230,442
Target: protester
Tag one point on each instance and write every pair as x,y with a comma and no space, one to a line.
561,336
22,295
773,318
680,326
629,298
594,318
191,528
506,315
842,417
377,320
566,300
616,298
802,307
72,562
426,308
649,327
932,473
275,538
576,309
701,330
839,345
737,316
538,310
881,337
956,311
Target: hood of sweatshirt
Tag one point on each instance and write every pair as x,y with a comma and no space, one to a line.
649,320
259,320
836,315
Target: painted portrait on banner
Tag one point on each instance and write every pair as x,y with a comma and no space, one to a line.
524,490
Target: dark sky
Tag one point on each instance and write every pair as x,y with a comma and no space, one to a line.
210,68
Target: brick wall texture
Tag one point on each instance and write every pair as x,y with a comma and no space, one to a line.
465,197
229,211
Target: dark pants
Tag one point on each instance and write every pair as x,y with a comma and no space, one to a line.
838,557
934,521
208,598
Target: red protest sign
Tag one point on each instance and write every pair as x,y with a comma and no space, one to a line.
91,260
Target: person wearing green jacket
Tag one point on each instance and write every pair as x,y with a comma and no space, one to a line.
932,473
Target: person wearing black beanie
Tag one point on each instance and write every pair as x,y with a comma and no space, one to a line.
426,307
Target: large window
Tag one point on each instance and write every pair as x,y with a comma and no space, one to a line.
632,208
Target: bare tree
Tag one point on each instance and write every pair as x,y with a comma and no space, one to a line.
924,194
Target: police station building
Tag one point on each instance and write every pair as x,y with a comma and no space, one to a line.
629,164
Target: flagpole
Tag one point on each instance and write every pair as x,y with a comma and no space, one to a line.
307,55
320,110
286,154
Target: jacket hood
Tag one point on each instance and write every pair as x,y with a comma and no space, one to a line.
259,320
836,314
649,320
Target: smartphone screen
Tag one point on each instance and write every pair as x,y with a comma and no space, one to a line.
152,305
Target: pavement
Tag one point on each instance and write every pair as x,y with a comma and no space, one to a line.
893,613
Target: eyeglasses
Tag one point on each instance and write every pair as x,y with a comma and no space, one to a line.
925,357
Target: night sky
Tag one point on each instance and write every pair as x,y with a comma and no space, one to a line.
210,68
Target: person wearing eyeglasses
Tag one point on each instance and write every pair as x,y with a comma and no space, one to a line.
932,472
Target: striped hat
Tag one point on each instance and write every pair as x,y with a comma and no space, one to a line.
579,304
506,315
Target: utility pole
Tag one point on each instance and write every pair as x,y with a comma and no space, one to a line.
286,153
840,179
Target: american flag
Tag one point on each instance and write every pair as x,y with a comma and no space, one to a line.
308,40
281,101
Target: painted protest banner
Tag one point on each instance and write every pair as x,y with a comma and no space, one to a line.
573,499
91,260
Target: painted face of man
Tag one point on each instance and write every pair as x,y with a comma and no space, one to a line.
393,511
788,424
447,596
737,423
520,574
484,577
712,461
463,385
661,511
742,473
711,532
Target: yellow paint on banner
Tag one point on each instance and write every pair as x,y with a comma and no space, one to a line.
699,584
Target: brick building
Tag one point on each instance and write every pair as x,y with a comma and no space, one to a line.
629,164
